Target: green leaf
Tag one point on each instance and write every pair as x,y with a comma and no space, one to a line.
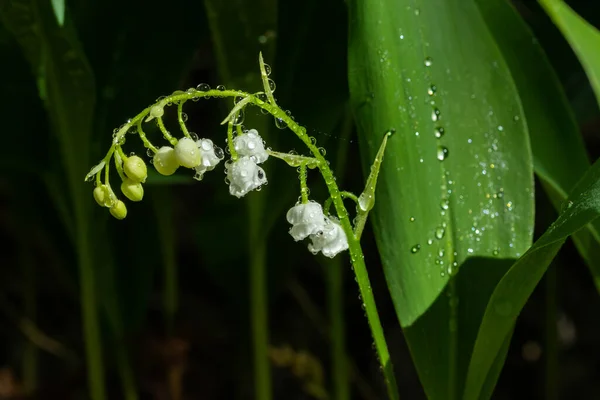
582,36
438,213
418,70
516,286
559,155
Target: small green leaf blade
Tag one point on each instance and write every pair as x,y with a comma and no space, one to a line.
582,36
516,286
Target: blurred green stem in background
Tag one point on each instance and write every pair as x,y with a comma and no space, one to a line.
552,377
30,355
164,218
335,285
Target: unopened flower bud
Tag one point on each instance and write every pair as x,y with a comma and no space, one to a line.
187,153
119,210
156,111
101,195
134,191
135,169
165,161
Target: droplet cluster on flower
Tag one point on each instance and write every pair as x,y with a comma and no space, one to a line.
326,233
244,174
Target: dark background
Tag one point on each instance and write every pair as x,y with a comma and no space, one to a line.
139,52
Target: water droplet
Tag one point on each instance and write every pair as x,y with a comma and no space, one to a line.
313,140
442,153
239,117
509,206
267,69
272,85
184,117
439,233
470,250
221,88
279,123
203,87
439,132
444,204
415,248
428,61
435,115
417,12
500,128
322,151
496,252
430,242
431,90
412,219
441,253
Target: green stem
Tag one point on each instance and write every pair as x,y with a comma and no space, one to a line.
339,367
182,126
258,300
303,187
30,356
167,234
552,376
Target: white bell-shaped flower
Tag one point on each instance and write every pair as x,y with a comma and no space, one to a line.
187,153
331,240
251,144
244,175
306,219
210,156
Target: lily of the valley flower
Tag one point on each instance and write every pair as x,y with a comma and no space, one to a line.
187,153
326,233
244,175
331,240
210,156
306,219
251,144
165,161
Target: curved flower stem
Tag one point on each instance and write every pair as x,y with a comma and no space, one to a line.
356,254
303,187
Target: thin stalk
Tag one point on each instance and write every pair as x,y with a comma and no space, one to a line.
126,373
551,336
259,301
335,287
167,234
30,355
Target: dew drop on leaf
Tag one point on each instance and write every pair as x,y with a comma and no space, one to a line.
415,248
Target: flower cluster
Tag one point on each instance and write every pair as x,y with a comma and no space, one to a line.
325,233
244,174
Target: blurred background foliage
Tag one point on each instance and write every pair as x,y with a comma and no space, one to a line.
166,304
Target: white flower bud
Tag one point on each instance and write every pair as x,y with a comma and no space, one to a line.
119,210
135,169
331,240
165,161
155,112
187,153
244,175
306,219
251,144
134,191
210,156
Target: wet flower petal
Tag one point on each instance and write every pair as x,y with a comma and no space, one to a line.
331,240
306,219
244,175
251,144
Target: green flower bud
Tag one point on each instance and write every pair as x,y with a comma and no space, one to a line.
101,195
165,161
119,210
134,191
135,169
187,152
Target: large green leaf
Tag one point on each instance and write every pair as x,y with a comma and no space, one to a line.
559,155
516,286
435,65
583,38
419,67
